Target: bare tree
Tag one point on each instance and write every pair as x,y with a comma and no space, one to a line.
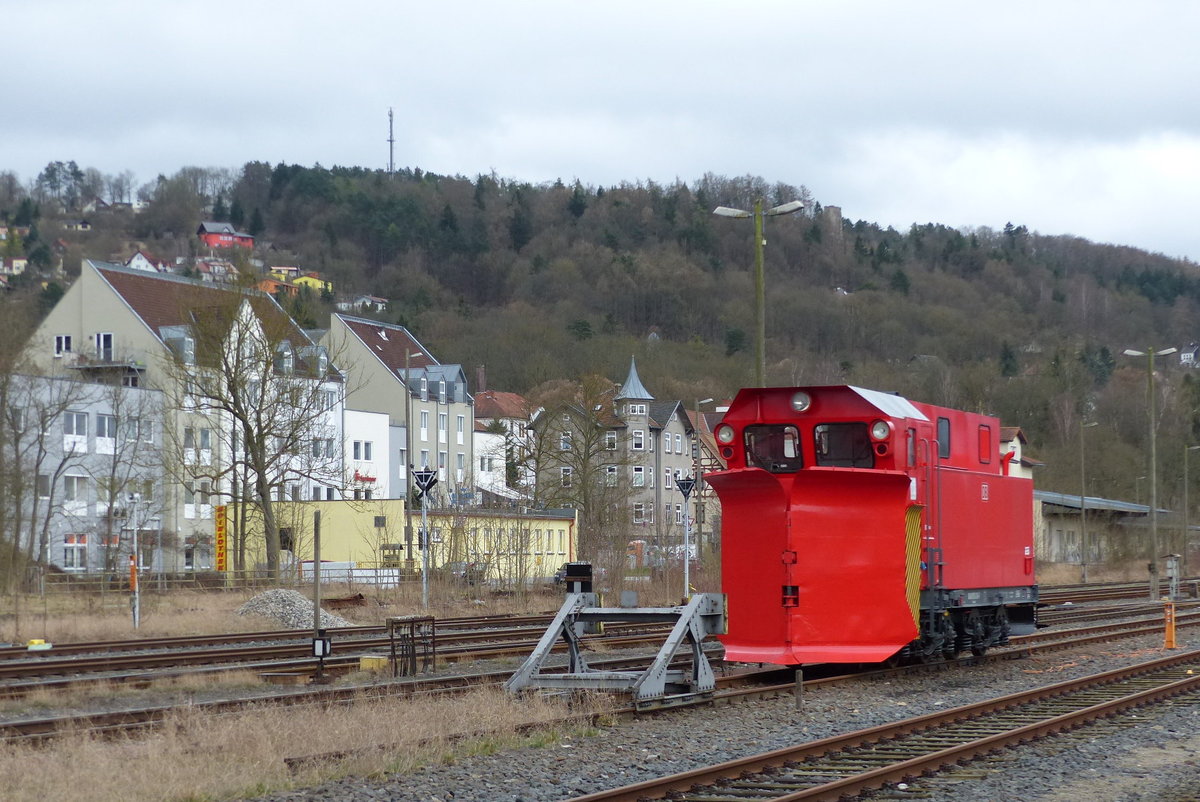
580,463
269,399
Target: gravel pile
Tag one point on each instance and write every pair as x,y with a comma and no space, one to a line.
290,608
1150,761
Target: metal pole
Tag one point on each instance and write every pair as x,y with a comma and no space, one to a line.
424,550
1083,541
408,458
316,573
1154,589
760,300
1183,552
687,551
135,565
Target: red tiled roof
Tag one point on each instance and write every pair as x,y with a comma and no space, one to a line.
390,343
497,404
162,300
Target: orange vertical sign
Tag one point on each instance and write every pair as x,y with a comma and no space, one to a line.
222,543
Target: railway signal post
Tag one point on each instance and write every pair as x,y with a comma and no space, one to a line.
425,478
685,488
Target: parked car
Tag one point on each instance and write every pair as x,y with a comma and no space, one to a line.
469,573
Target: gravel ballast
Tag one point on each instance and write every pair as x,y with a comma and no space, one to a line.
290,608
1153,760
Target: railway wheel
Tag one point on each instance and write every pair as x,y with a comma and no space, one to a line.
975,633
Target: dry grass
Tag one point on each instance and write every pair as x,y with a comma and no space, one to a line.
104,694
1065,574
199,756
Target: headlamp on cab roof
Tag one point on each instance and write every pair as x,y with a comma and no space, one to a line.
880,430
801,401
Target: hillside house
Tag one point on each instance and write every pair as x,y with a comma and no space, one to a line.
223,235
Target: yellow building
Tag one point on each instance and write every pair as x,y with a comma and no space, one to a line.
314,281
366,540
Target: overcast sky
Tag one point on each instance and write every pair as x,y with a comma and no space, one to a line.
1069,118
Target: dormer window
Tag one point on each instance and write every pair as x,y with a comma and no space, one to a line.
284,358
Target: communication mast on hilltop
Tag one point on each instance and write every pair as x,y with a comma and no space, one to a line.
391,145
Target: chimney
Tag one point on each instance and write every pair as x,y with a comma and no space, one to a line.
480,380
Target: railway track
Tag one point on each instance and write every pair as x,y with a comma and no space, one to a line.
733,685
142,661
843,766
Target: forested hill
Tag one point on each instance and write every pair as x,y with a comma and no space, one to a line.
554,281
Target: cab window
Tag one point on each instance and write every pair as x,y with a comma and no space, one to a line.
844,445
774,448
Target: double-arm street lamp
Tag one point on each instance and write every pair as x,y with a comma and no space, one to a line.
1150,353
1083,538
760,292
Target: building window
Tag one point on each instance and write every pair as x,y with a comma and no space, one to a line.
667,479
639,476
610,475
75,423
75,552
104,346
564,441
424,458
639,440
367,451
442,427
424,424
137,429
462,428
75,488
666,443
565,476
678,444
43,485
639,513
62,344
106,426
678,513
610,441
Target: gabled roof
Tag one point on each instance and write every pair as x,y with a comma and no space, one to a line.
661,412
633,388
497,404
162,300
210,227
389,343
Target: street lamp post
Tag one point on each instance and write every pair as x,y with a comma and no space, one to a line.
760,291
1150,353
1083,538
408,463
1183,552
